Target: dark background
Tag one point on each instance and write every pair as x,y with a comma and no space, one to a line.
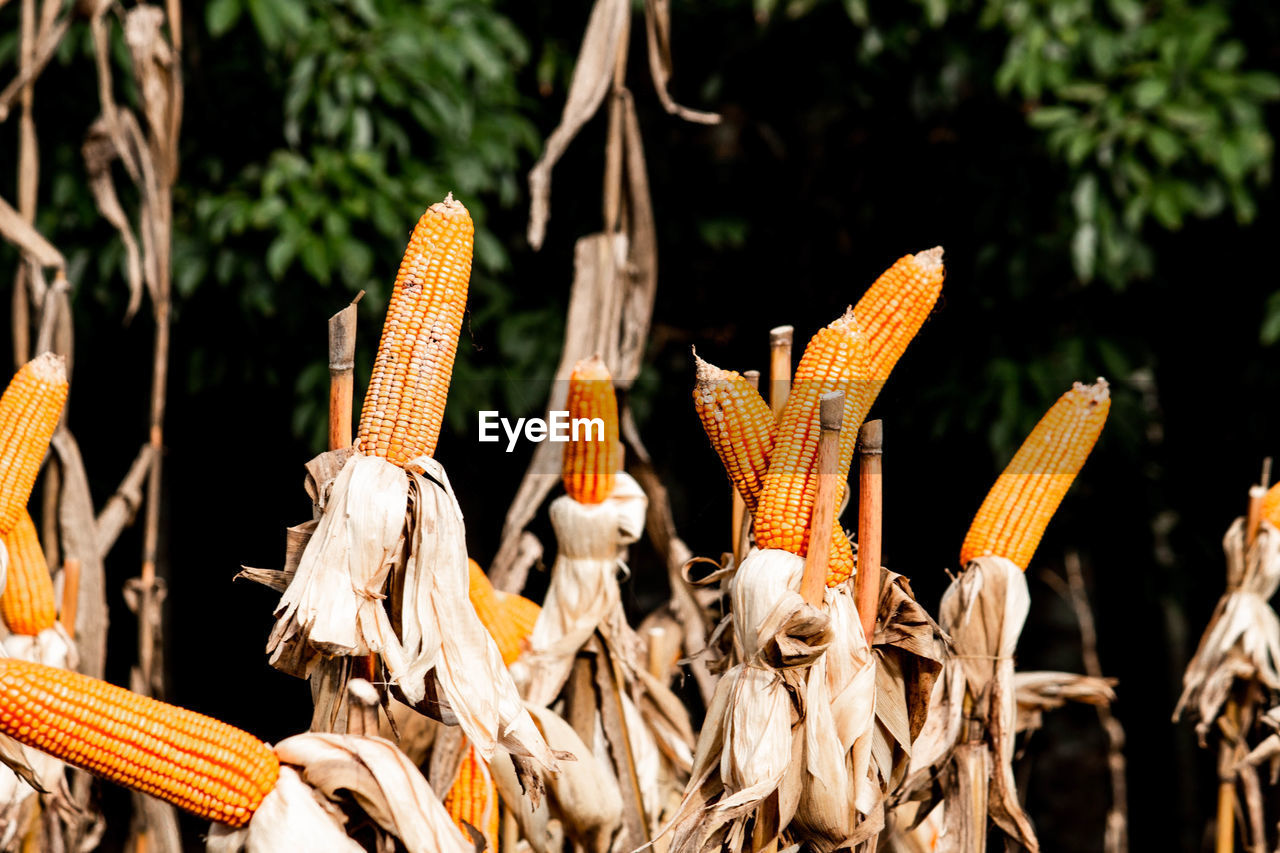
852,136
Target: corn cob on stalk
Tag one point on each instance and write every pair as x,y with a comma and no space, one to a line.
1016,511
739,424
29,413
198,764
474,798
1271,505
27,603
404,406
590,463
834,360
894,308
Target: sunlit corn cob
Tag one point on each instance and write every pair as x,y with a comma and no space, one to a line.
29,412
1016,511
589,463
508,618
196,763
474,799
404,406
27,602
894,308
834,360
1271,505
740,425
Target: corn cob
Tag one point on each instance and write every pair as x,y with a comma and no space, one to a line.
834,360
1271,505
196,763
27,603
508,618
473,793
589,463
29,413
404,406
740,425
894,308
1016,511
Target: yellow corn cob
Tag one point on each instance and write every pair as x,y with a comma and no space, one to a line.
196,763
834,360
27,603
404,406
894,308
29,412
1271,505
474,799
589,464
508,618
1016,511
740,425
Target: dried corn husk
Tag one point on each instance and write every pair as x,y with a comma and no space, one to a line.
388,553
749,757
1038,692
1242,640
584,794
967,741
329,768
583,594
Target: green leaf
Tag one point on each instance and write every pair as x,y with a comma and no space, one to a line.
1149,92
1269,334
221,15
1046,117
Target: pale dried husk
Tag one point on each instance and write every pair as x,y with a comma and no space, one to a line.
583,594
584,794
1242,640
332,769
748,760
385,572
1038,692
967,742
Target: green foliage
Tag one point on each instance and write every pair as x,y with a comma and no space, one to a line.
386,106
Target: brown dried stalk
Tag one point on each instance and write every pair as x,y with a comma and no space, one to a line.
870,532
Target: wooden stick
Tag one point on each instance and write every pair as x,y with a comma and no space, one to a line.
741,523
780,339
342,363
70,594
831,418
870,519
362,708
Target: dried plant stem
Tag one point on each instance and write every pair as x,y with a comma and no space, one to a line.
342,362
870,524
780,339
151,680
1116,839
741,526
831,418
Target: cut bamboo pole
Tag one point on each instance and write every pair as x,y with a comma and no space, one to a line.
70,594
870,524
741,518
830,417
780,339
342,362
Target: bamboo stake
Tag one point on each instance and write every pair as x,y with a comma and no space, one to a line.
70,595
870,524
831,417
741,520
342,362
780,338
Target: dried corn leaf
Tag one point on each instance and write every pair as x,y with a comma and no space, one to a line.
584,795
383,782
1242,640
291,817
1038,692
538,829
583,594
24,235
657,19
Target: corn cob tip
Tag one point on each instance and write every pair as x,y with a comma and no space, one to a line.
1099,391
449,207
49,367
930,258
707,372
592,368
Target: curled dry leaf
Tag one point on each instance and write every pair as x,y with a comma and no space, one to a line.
1038,692
291,817
1242,640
